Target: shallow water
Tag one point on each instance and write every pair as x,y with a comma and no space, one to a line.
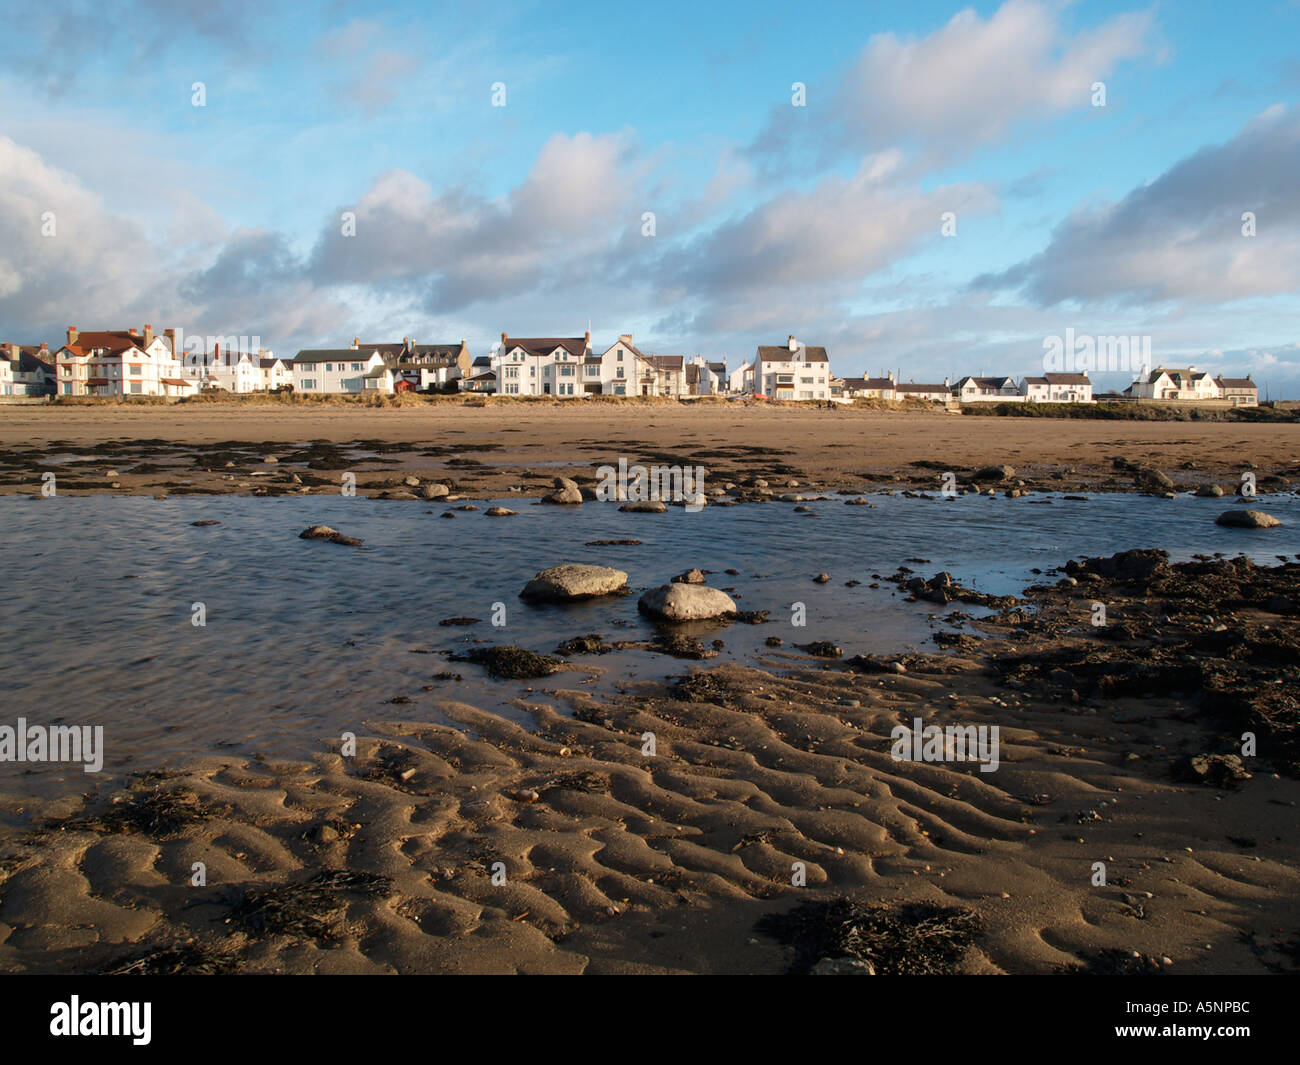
306,639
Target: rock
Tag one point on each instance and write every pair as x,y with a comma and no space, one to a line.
324,532
843,967
270,460
399,493
648,506
433,491
1153,481
992,473
411,482
1209,491
1247,519
326,834
511,663
821,578
573,581
691,576
791,497
857,501
564,497
686,602
498,512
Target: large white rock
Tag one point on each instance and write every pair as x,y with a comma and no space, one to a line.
1247,519
563,584
686,602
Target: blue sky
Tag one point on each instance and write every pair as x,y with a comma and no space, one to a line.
822,220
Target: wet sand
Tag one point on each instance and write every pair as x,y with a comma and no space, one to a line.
494,449
613,861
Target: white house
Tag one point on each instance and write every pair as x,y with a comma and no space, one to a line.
614,371
542,366
26,370
340,371
1239,391
276,373
930,393
705,378
1057,388
741,379
120,363
1164,383
868,387
988,390
794,371
426,366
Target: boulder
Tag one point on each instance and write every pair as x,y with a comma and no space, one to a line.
1153,481
324,532
573,581
1209,491
498,512
648,506
564,482
992,473
1247,519
434,491
564,497
686,602
691,576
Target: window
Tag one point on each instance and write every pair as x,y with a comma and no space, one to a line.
805,380
620,372
620,354
135,369
512,371
356,366
329,367
566,371
136,388
309,382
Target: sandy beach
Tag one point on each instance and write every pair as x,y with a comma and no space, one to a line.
491,450
473,843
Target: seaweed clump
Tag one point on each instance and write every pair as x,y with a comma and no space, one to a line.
304,908
916,939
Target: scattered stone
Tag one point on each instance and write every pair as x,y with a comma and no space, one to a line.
573,581
564,497
434,491
821,578
324,532
1209,491
992,473
510,663
691,576
1247,519
822,649
647,506
686,602
498,512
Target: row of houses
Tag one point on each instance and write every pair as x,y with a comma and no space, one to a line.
131,362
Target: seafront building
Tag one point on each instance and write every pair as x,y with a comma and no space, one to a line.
121,362
26,370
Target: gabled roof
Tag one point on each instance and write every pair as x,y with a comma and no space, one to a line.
112,340
986,382
1067,379
668,363
1037,381
911,386
546,345
29,358
267,364
1235,382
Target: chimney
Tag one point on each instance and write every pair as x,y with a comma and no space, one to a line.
891,375
504,345
794,345
626,338
356,343
148,335
44,346
133,332
410,345
586,339
14,353
73,333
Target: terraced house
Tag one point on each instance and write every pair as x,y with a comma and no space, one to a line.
1057,388
121,362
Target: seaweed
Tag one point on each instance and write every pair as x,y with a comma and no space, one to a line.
302,908
916,939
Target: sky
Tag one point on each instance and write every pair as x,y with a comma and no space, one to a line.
923,188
